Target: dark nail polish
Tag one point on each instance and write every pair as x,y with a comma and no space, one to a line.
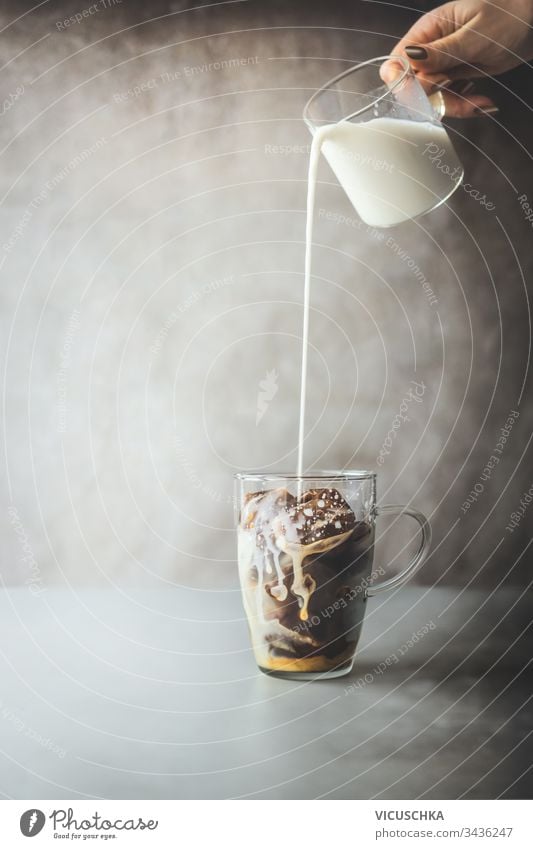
416,52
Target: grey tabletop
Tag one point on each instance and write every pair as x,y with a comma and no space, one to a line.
155,694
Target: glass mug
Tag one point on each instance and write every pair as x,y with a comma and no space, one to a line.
305,552
384,142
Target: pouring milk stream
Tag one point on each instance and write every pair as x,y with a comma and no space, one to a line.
384,167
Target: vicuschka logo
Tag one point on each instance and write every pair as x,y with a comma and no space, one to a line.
32,822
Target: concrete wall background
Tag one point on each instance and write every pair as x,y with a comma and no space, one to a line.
152,273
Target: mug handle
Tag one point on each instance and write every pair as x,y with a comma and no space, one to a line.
418,559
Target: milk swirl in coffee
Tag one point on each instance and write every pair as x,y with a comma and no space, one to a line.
304,561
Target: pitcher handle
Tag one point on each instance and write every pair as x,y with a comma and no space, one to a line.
420,556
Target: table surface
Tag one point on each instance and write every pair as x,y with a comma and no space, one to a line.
154,694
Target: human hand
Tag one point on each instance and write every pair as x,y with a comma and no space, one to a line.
464,39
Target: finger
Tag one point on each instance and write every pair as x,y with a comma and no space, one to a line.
392,69
432,82
457,81
458,78
475,106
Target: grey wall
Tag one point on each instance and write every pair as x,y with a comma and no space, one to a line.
152,249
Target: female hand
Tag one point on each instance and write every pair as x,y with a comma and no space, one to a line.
464,39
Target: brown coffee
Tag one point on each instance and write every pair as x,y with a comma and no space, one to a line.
304,563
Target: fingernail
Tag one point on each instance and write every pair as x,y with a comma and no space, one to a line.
416,52
486,110
461,88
